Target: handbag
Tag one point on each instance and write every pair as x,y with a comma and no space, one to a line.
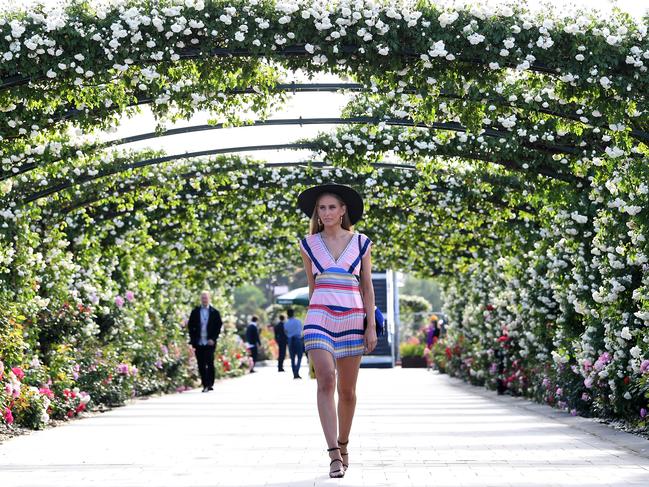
378,316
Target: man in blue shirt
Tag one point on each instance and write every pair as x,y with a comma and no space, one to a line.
293,330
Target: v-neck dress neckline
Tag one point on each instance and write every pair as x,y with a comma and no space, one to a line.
342,254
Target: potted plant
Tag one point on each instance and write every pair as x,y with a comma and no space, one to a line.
412,354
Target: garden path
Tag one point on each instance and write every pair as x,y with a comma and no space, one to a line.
412,428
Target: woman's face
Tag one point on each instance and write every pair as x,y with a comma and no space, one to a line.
330,210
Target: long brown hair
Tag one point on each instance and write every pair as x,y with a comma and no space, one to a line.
315,227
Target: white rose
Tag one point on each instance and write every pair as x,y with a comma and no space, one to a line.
626,333
447,18
475,38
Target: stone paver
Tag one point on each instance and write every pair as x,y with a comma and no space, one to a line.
412,428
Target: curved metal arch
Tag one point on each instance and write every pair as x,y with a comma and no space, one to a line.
111,214
168,233
228,150
397,122
13,81
358,87
334,87
188,175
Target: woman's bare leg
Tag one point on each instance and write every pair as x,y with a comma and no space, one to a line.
325,374
347,375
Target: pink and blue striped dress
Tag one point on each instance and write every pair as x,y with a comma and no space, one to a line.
334,320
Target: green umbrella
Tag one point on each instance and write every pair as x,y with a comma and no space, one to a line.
295,296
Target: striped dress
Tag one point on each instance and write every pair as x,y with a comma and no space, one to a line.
334,320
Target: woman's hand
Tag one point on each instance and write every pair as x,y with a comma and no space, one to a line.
370,338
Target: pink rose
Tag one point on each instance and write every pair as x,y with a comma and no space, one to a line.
46,392
130,296
18,372
119,301
644,366
8,417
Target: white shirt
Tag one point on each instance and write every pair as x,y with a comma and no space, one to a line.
205,317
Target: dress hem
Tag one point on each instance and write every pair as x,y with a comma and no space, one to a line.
322,347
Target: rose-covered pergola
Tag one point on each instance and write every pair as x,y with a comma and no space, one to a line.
503,151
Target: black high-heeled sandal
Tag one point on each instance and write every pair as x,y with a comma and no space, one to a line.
346,454
336,474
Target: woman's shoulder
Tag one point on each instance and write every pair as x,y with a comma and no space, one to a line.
307,240
364,238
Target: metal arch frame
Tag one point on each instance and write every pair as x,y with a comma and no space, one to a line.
465,233
450,126
229,150
496,202
290,51
189,175
334,87
396,122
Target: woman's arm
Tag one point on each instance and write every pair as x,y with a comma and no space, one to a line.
367,291
308,270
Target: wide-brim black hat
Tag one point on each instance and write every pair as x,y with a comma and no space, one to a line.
353,201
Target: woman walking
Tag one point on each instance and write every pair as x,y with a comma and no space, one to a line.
338,269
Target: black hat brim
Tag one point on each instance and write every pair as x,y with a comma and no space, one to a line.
353,200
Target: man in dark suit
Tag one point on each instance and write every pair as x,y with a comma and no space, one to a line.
282,342
252,337
204,329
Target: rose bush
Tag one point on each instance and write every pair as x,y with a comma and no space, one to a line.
503,150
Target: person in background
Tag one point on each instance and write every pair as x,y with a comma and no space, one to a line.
293,328
432,332
252,337
282,342
204,328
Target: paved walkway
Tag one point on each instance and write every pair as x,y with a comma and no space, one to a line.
412,428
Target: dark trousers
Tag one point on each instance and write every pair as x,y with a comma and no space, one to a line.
205,359
295,349
253,354
281,346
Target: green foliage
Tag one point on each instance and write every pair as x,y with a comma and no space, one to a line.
412,349
520,145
